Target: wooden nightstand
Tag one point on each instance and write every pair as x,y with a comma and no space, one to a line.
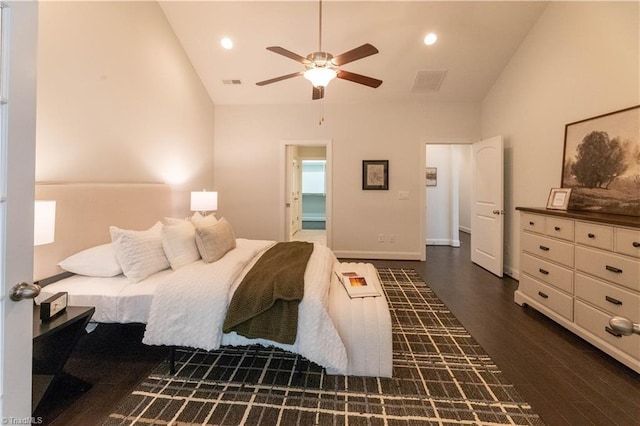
53,342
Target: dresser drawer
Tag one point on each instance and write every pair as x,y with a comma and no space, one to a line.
596,322
611,299
627,242
548,272
546,295
559,228
547,248
532,222
593,235
618,269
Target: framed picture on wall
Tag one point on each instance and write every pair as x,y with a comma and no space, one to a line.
375,174
431,176
602,162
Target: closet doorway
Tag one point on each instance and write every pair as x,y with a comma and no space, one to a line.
306,192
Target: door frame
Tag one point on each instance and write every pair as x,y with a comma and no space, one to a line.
423,201
282,216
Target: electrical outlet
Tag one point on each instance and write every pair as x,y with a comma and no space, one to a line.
381,238
403,195
392,238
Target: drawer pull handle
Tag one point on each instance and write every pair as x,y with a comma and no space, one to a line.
590,235
543,248
531,223
612,300
613,269
636,244
557,228
610,331
544,296
542,271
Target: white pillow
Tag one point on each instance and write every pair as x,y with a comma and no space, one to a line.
173,221
215,240
98,261
179,244
198,220
139,253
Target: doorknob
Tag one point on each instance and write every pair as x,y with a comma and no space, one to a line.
624,326
24,291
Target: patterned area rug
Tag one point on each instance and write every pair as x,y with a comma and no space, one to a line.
441,376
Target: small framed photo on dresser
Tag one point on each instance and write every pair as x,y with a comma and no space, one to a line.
559,198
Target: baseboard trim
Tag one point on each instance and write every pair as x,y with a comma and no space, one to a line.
379,255
513,273
443,242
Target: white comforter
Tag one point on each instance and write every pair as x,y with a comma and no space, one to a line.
188,309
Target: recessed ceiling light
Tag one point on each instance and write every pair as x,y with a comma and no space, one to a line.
430,39
227,43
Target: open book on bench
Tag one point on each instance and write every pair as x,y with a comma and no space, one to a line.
357,285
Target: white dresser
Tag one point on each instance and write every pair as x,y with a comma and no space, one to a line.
580,269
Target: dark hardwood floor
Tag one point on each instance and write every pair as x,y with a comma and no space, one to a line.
565,379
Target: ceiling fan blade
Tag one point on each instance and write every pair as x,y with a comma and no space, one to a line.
354,54
318,93
357,78
289,54
282,77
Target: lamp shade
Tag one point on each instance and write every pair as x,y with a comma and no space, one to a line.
320,76
204,201
44,222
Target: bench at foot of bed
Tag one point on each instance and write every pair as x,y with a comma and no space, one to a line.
364,324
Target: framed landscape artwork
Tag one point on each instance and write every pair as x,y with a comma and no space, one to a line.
602,163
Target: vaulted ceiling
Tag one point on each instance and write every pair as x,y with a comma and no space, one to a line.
476,39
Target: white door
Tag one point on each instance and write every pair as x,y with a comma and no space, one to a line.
296,197
17,170
487,207
292,193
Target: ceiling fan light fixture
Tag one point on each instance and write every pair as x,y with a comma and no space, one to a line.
320,76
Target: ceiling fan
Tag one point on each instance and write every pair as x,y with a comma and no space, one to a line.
322,67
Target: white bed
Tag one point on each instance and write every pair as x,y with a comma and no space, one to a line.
190,300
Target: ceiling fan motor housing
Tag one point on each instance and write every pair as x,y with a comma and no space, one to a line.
320,59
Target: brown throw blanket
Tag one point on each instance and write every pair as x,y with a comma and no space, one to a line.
265,305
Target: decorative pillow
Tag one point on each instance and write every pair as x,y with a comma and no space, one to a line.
198,220
215,240
173,221
139,253
98,261
179,244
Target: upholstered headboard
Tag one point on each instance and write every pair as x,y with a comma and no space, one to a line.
84,212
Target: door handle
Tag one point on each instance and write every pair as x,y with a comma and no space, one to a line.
24,291
624,326
499,212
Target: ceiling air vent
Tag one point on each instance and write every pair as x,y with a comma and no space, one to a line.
232,82
428,81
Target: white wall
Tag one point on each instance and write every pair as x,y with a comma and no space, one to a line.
247,161
118,99
581,59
